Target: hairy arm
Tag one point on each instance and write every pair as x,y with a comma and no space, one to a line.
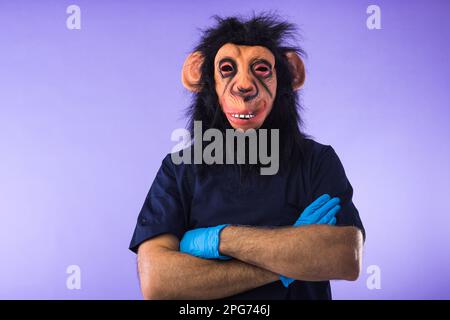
166,273
310,253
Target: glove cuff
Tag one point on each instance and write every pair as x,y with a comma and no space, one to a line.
218,230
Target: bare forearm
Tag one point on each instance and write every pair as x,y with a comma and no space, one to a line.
175,275
311,253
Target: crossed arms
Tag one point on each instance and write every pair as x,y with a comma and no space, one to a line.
310,253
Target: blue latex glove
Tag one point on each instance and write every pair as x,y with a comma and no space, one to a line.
323,210
203,242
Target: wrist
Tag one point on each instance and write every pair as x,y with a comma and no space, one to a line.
225,236
219,254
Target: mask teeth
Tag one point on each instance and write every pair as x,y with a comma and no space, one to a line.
243,116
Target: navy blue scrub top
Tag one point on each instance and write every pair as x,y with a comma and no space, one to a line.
179,201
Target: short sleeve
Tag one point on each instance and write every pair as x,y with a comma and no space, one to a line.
162,211
329,177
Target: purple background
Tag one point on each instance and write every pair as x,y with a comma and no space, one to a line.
86,117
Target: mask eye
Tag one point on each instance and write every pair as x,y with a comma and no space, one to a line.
226,69
261,70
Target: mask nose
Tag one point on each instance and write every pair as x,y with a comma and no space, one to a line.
245,88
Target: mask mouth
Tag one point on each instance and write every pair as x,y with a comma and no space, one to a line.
244,116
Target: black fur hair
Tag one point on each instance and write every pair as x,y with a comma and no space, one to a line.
266,30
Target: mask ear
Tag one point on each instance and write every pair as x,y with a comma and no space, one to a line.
297,69
191,72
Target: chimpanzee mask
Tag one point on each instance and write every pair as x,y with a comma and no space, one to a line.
244,76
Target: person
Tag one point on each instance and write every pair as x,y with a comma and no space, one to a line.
226,231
